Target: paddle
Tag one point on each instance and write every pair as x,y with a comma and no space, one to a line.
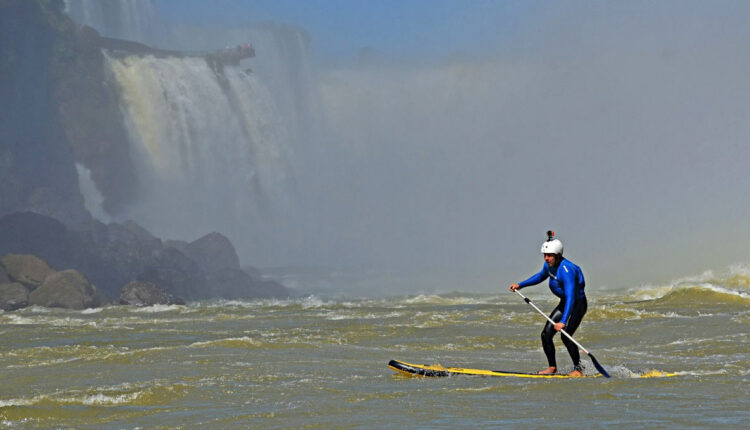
591,356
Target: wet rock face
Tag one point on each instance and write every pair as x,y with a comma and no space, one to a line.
26,269
13,296
112,255
67,289
213,252
138,293
38,163
236,284
3,275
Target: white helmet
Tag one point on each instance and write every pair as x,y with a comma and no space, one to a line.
552,247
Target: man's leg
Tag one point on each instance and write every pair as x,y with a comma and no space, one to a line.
547,334
576,316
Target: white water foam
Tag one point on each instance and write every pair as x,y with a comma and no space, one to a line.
209,343
156,309
658,292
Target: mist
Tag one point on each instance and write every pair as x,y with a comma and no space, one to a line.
626,135
622,126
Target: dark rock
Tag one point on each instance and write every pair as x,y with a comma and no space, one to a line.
179,245
138,234
66,289
37,162
26,269
126,250
112,255
3,275
252,271
236,284
173,259
52,241
89,111
144,294
40,235
272,289
213,252
109,255
13,296
172,271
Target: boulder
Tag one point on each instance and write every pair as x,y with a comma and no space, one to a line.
27,269
66,289
13,296
138,293
137,234
252,271
127,250
271,288
179,245
3,275
53,242
213,252
236,284
111,255
40,235
172,271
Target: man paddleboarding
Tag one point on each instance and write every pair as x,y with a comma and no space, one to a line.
566,282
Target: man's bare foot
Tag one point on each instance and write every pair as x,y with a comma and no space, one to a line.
548,371
575,373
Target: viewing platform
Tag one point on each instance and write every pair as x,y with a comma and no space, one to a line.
220,57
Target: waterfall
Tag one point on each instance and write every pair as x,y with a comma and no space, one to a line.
213,148
92,197
282,63
209,146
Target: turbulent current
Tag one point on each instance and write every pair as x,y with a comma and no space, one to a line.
322,363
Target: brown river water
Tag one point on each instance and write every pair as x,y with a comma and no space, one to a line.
322,363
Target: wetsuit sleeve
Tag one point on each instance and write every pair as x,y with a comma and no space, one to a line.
535,279
568,278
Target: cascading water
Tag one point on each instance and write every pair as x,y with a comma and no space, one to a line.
208,145
214,148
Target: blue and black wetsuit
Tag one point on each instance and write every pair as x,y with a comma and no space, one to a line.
566,282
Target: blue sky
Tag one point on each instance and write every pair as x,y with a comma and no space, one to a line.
397,28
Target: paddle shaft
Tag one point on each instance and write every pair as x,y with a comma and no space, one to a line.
527,300
596,363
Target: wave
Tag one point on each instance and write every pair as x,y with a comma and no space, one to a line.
730,286
687,294
449,299
625,372
627,313
142,394
231,342
156,308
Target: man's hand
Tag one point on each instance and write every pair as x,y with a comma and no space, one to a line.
559,326
514,287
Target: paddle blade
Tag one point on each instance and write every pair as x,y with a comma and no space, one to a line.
599,366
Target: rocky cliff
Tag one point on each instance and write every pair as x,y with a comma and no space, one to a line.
60,113
37,165
114,255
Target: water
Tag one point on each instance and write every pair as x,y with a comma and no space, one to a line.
207,145
317,363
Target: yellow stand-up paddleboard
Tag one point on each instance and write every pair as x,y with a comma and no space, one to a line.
436,370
